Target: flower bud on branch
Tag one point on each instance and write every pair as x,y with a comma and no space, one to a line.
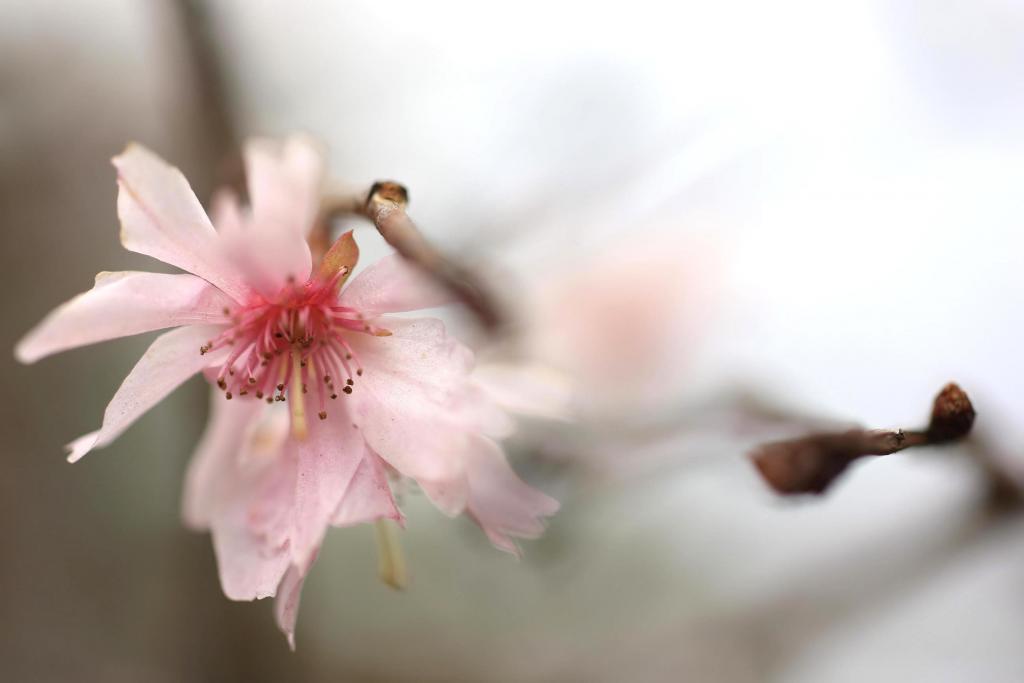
811,463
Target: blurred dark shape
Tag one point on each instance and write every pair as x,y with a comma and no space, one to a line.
812,463
952,415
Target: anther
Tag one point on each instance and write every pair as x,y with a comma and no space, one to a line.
349,381
228,396
347,390
252,380
334,396
323,414
280,387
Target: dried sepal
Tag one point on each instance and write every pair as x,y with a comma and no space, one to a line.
340,260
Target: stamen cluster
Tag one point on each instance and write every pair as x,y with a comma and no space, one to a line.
290,343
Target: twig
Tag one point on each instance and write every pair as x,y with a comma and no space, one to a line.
811,463
216,122
384,205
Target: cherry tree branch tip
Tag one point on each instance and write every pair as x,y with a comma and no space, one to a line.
810,464
385,206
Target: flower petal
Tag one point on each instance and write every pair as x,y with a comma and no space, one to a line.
406,401
249,568
284,190
211,469
326,461
368,496
417,352
167,363
502,504
529,389
450,497
250,511
392,285
286,605
285,181
226,212
161,217
123,304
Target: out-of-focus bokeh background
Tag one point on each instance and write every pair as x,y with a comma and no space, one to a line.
813,203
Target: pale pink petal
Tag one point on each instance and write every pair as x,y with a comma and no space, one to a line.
449,496
414,436
477,409
167,363
285,180
211,471
393,285
122,304
409,403
284,190
368,496
326,460
532,390
249,568
286,605
271,502
226,213
161,217
409,434
420,355
499,501
251,509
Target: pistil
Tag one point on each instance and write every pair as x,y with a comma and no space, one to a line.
299,428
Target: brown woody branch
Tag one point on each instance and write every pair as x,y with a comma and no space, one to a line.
811,463
384,205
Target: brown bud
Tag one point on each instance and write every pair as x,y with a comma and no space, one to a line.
388,191
952,415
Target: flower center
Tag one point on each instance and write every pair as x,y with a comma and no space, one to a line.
283,348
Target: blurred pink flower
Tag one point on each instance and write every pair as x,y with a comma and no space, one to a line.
609,336
392,396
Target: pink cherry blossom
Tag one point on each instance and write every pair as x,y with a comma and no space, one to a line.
330,396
